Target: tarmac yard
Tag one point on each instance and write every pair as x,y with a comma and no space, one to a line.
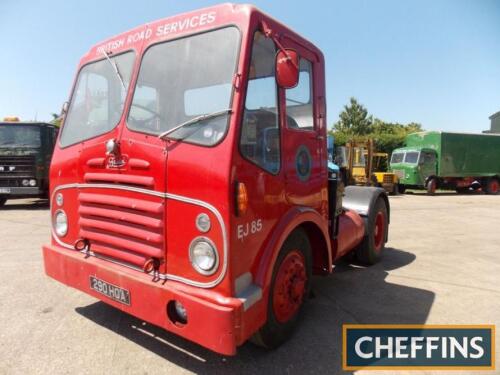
442,266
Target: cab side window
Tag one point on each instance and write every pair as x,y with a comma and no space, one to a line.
260,137
428,158
299,109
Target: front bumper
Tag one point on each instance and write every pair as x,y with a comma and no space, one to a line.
210,324
17,192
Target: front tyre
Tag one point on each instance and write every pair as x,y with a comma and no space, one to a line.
2,201
431,186
290,286
370,250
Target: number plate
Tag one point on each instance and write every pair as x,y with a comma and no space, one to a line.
4,190
109,290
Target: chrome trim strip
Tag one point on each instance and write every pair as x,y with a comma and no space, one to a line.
177,197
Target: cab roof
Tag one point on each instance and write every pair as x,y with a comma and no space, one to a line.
140,37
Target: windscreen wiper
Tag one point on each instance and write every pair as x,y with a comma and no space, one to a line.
195,120
115,67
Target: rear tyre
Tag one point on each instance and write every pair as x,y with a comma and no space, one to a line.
492,186
370,250
290,286
401,189
431,186
2,201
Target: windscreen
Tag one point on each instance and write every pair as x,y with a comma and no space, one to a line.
97,102
183,79
397,157
12,136
411,157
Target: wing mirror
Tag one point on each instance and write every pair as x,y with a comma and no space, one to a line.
287,68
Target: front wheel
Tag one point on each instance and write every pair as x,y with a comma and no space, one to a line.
431,186
2,201
290,286
370,250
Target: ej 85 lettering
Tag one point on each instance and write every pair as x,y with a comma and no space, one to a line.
249,228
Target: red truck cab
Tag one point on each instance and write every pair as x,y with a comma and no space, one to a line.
189,183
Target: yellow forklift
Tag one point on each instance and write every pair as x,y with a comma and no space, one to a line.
361,165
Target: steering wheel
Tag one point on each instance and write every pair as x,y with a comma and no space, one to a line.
144,108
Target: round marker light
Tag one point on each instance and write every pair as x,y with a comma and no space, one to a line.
59,199
32,183
61,223
177,313
181,312
203,256
203,223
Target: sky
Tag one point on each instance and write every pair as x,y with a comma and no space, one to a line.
432,62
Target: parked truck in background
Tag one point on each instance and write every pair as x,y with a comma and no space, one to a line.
444,160
189,184
25,153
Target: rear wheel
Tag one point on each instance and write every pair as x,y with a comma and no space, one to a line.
2,201
290,286
401,189
370,250
431,186
492,186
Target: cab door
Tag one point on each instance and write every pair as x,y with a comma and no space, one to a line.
304,151
427,164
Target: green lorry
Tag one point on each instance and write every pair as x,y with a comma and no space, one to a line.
25,152
442,160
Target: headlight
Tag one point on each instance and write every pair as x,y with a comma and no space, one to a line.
32,182
25,182
60,223
203,256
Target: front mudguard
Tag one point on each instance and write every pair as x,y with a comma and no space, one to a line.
362,199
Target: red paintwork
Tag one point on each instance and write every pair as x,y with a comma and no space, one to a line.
154,219
493,187
379,231
289,286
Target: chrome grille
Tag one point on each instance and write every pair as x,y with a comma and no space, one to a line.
17,166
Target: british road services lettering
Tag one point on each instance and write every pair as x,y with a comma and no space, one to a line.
446,347
185,24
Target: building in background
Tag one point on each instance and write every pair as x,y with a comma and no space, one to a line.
495,123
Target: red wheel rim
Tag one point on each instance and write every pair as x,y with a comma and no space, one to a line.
379,231
432,187
289,286
494,187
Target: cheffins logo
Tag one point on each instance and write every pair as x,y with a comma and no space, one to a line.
418,347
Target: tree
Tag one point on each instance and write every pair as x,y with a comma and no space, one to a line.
355,124
354,119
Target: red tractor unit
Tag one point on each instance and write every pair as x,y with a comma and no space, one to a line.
189,183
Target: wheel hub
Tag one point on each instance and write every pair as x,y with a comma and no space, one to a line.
289,286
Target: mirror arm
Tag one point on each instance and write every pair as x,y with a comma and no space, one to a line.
269,33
